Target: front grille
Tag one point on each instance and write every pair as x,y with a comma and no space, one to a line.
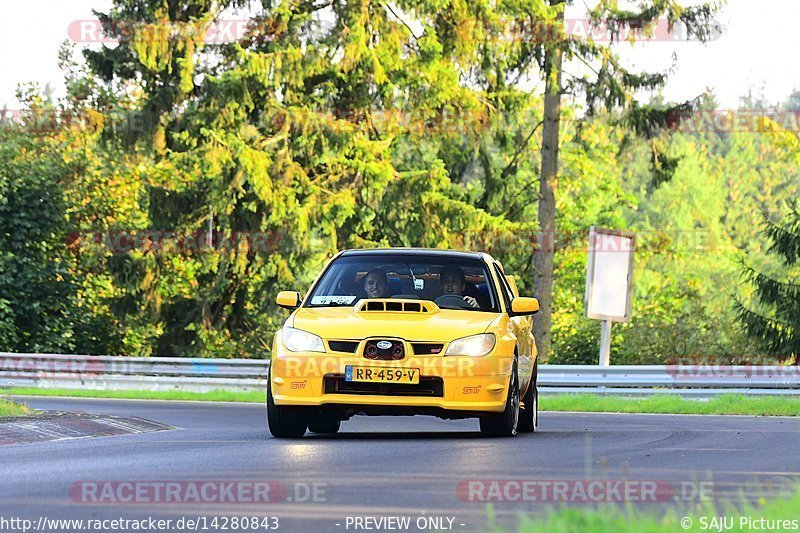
343,346
427,348
428,386
374,349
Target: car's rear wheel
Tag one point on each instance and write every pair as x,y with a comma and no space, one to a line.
504,424
529,415
285,421
324,424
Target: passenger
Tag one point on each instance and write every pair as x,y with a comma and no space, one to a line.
376,284
453,282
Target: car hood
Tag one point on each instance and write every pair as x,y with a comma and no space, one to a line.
347,323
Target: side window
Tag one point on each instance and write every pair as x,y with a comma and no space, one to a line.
505,289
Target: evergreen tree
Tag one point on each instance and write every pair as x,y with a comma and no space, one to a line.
296,131
775,325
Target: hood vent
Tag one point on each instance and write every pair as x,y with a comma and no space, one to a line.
397,306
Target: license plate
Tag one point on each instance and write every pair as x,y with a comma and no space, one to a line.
372,374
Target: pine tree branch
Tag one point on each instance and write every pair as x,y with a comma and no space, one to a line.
777,337
783,297
786,238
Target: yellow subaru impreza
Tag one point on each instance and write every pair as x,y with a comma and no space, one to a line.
404,331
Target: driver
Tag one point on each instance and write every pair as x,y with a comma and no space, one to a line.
453,282
376,284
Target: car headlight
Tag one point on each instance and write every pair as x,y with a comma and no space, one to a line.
297,340
474,346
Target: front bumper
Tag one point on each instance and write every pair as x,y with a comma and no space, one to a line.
477,384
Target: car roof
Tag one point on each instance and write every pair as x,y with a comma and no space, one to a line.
415,251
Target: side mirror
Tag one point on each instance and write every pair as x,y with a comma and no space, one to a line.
524,306
288,299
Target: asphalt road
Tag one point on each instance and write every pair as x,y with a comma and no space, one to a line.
390,466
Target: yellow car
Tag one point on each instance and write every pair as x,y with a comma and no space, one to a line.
404,331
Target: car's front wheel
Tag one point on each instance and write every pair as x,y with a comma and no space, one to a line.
324,423
285,421
504,424
529,414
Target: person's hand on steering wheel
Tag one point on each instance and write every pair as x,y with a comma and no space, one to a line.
451,301
471,301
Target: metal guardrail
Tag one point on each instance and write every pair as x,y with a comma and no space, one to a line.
691,380
203,375
131,373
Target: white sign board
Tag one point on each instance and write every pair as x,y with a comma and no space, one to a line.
609,274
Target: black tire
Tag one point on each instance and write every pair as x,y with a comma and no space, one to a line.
324,424
285,421
504,424
529,416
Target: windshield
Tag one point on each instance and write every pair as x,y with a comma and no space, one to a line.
451,282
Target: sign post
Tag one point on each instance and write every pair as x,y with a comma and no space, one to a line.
609,275
605,343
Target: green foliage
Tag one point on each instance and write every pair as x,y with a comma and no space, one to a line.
35,277
289,137
693,232
356,124
10,409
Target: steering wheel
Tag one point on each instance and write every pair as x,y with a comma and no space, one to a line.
451,300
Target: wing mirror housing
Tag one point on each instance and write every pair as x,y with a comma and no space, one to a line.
288,299
524,306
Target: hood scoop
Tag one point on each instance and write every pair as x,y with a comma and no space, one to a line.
396,306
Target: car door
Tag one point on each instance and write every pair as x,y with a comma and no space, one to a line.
521,329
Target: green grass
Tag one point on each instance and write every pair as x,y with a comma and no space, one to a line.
8,408
617,519
213,396
728,404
